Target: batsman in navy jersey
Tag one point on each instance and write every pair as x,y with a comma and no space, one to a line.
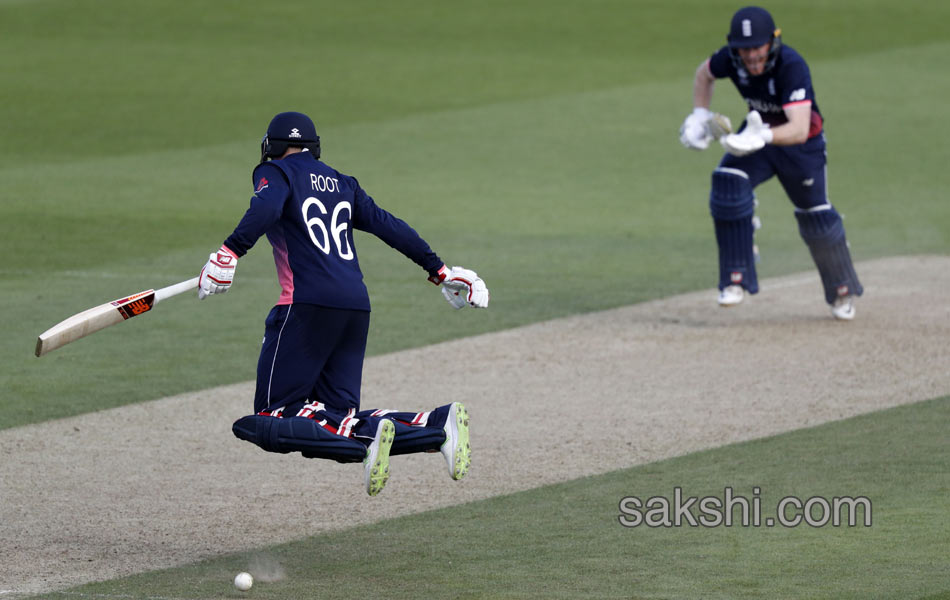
307,397
783,136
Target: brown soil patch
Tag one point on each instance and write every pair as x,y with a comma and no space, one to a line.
164,483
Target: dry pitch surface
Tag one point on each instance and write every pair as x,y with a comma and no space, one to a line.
165,483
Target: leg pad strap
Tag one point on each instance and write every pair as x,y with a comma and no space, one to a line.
297,434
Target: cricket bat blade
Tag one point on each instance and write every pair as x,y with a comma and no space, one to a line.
105,315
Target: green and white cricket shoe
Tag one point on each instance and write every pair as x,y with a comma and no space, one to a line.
376,463
456,448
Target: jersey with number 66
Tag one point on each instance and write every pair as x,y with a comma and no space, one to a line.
308,211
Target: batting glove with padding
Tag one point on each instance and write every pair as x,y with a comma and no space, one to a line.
693,132
218,273
751,139
456,299
463,286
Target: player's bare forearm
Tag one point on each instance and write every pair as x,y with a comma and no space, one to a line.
795,131
703,84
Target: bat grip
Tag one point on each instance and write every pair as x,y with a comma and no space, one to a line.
174,290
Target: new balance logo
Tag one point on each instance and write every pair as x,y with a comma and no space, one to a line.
138,307
797,95
808,182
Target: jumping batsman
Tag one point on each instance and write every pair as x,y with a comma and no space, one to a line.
783,135
307,397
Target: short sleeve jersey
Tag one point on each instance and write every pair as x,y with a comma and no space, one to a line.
308,211
787,83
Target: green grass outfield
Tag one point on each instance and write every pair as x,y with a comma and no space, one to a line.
566,541
532,141
535,143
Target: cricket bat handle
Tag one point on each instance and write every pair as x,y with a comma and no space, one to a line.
174,290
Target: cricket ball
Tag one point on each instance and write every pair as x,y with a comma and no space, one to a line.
243,581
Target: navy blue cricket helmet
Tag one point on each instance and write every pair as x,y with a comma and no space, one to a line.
751,27
289,129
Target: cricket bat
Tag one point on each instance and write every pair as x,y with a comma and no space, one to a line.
108,314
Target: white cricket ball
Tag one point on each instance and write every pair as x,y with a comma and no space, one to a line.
243,581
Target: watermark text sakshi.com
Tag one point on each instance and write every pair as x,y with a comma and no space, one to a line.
731,510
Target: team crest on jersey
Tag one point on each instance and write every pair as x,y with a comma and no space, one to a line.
262,184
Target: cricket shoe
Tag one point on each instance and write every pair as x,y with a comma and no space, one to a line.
731,295
376,463
843,308
456,448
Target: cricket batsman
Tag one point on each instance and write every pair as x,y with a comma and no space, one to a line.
783,135
307,397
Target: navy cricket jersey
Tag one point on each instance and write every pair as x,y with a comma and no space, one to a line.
787,83
308,211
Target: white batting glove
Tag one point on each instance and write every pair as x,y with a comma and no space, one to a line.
694,133
456,299
218,273
753,138
464,286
